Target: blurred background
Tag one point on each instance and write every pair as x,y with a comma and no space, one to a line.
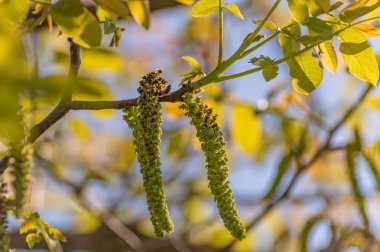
86,177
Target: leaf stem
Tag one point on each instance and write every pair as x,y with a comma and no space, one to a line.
220,57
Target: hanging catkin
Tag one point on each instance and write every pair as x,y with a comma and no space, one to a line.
145,121
4,237
213,146
21,164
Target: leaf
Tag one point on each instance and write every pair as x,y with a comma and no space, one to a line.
234,9
246,128
368,29
269,73
77,22
359,56
329,57
318,7
27,225
56,234
117,7
17,10
299,10
140,11
268,25
193,63
356,10
305,70
205,8
32,239
185,2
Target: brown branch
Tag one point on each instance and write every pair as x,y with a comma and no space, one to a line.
66,105
324,147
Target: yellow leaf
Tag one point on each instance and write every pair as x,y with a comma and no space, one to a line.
359,56
116,7
329,57
246,128
369,30
140,11
245,245
186,2
172,112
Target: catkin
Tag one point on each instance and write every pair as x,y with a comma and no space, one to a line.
145,121
21,165
4,237
213,146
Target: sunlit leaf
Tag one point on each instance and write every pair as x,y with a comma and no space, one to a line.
32,239
140,11
306,70
17,9
234,9
27,225
299,10
193,63
318,7
359,56
268,25
186,2
245,128
356,10
56,234
117,7
329,57
368,29
77,22
205,8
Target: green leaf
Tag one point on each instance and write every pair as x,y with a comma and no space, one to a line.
368,29
356,10
31,239
234,9
359,56
117,7
329,58
17,10
56,234
27,225
268,25
140,11
269,73
77,22
185,2
205,8
299,10
193,63
318,7
320,27
306,71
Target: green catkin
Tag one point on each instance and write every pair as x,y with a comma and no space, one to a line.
145,121
21,165
4,237
213,146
